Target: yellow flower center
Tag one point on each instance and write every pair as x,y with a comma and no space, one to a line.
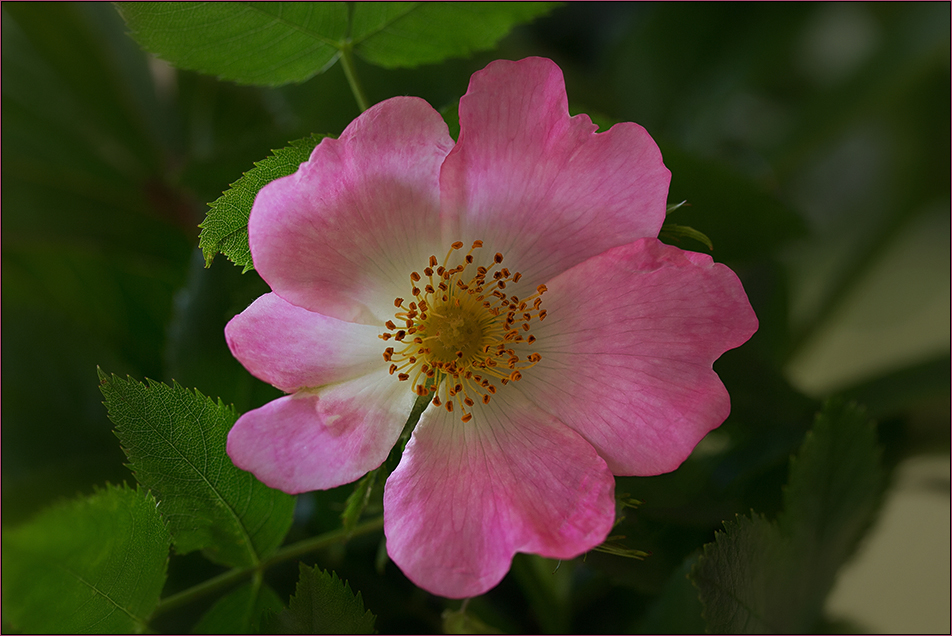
460,334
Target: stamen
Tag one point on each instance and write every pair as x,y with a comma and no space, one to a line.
462,336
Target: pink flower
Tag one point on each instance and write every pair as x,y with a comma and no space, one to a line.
516,276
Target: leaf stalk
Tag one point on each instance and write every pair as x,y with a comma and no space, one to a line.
350,71
286,553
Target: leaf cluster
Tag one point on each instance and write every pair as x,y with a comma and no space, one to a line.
93,565
174,439
225,229
273,43
760,576
98,564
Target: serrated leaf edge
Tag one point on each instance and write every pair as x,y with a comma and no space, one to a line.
246,537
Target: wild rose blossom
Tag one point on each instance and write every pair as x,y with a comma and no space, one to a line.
514,275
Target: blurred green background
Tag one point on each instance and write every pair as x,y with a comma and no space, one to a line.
810,140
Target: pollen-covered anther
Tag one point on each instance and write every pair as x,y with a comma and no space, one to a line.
461,334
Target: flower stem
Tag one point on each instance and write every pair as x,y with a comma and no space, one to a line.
350,70
322,541
284,554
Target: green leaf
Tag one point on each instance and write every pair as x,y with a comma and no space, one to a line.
676,608
273,43
240,611
225,229
175,442
358,500
407,34
323,604
743,578
672,232
835,488
459,622
92,565
614,544
252,43
760,576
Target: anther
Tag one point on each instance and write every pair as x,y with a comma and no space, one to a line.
460,331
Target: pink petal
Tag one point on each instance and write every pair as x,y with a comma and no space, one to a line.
466,497
627,351
293,348
323,439
542,187
342,234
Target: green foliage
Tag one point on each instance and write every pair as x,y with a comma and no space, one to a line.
460,622
741,217
676,609
835,489
175,442
398,34
323,604
672,232
764,577
357,501
225,229
252,43
92,565
91,261
744,580
273,43
241,611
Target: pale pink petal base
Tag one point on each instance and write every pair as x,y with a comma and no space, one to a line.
293,348
467,496
342,234
627,351
539,186
314,441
